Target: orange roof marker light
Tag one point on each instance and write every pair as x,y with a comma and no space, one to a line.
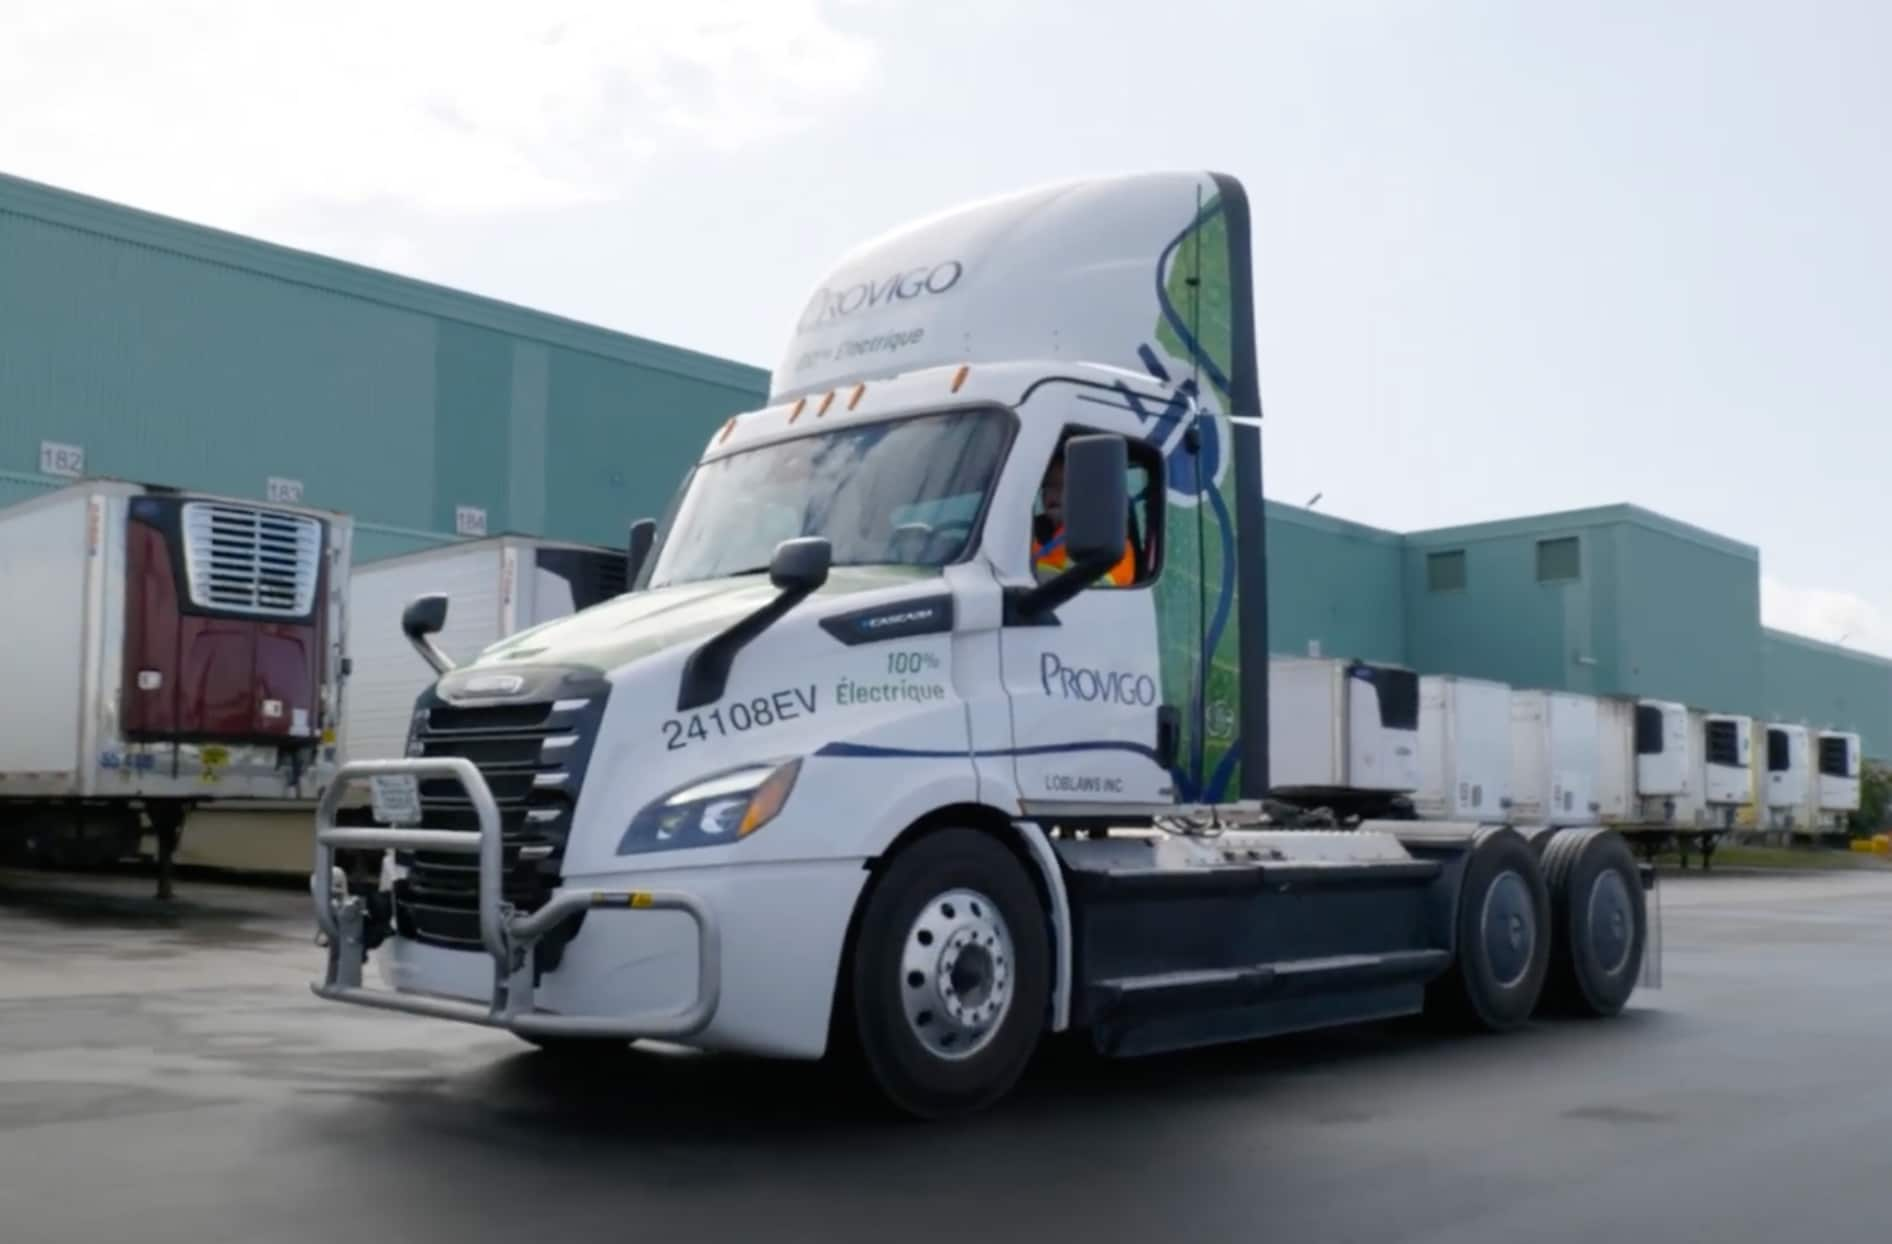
855,399
825,403
727,429
959,377
796,413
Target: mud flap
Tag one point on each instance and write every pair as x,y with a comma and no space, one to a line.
1651,977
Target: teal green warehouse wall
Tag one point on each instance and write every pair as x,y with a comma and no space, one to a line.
1333,587
185,356
1687,615
1648,606
1824,686
1502,623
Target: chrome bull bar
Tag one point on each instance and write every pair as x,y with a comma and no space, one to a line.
508,936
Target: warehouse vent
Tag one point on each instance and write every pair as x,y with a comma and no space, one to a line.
1559,560
1445,572
251,561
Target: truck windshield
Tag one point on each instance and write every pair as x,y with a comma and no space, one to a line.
904,492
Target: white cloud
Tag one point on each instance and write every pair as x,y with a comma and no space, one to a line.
1836,617
227,111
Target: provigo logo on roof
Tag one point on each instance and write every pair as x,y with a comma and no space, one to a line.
831,304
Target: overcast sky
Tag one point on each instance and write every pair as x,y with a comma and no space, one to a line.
1511,257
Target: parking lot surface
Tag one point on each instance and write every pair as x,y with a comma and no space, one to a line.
166,1076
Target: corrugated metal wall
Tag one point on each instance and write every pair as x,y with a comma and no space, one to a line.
1335,584
1687,609
1823,686
1504,624
184,356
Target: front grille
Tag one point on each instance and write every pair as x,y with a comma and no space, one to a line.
533,758
251,561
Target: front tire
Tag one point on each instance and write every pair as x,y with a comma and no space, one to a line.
950,976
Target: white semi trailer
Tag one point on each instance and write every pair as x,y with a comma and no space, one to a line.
163,650
500,586
1836,780
1553,759
939,718
1789,785
1464,750
1344,735
1649,775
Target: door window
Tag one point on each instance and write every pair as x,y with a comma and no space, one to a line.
1142,546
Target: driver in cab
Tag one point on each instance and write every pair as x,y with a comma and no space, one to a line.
1048,553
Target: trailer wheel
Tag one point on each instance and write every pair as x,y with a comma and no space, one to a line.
1503,938
1599,921
950,979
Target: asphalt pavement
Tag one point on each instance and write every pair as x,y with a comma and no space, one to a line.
166,1076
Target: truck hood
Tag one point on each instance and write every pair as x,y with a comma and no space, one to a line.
640,624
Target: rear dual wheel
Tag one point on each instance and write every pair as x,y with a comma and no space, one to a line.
1599,919
1503,937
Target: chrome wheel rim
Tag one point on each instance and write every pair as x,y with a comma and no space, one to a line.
956,974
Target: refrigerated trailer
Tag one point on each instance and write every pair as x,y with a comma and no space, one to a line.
500,586
1789,785
1836,782
1464,750
939,719
1343,734
1553,759
162,649
1647,775
1722,751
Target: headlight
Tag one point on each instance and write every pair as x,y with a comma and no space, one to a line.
715,810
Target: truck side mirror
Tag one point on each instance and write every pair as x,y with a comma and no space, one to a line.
1096,500
801,565
643,535
798,567
420,622
1096,519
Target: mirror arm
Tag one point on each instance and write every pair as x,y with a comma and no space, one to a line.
1059,589
430,652
706,672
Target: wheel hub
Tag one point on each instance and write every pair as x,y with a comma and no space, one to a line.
1612,922
1509,927
956,974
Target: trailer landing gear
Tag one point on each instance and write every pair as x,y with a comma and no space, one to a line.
167,824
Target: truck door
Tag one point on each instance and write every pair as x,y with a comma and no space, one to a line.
1090,719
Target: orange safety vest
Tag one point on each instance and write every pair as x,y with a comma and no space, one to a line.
1051,557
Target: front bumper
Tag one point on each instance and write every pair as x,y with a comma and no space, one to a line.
508,936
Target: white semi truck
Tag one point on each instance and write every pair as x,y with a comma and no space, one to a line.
938,718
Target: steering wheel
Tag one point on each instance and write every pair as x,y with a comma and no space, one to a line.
929,538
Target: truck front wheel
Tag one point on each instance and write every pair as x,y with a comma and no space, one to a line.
950,978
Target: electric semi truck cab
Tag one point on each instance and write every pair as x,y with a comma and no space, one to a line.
936,719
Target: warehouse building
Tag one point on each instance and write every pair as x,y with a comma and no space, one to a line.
1609,601
140,347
